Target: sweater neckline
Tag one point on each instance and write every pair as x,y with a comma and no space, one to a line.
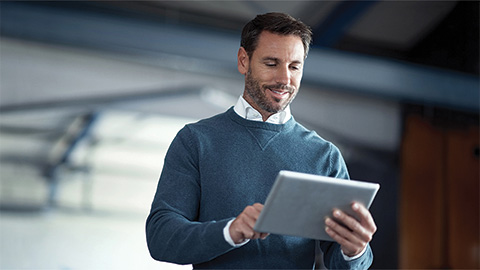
260,125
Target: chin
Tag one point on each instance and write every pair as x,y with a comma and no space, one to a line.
277,109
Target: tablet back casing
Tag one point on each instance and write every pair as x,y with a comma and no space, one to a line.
298,203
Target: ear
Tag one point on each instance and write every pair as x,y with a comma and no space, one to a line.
242,61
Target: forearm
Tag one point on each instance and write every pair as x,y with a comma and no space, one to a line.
172,238
172,228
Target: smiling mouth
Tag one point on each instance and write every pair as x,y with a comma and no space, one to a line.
279,93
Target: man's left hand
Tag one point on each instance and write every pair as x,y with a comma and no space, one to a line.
353,236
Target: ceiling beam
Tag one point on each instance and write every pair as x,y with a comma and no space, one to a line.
339,21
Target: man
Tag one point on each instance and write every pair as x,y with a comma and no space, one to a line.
219,170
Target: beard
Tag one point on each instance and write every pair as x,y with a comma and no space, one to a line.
258,94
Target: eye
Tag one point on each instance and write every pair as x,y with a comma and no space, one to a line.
270,64
295,67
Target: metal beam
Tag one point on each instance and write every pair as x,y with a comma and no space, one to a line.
338,21
390,79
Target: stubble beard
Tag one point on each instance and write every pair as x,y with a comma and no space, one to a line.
257,93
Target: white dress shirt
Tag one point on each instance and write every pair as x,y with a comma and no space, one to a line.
245,110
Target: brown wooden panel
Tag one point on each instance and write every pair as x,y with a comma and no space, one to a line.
422,230
463,176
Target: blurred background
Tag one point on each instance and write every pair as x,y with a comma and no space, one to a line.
92,93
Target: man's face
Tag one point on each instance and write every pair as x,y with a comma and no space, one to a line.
273,73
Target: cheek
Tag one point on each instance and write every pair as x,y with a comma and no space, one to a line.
296,80
265,77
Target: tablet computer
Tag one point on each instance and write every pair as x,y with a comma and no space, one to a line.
298,203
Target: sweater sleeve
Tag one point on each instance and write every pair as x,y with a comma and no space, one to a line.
337,166
333,258
172,228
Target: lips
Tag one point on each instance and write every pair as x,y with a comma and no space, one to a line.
280,94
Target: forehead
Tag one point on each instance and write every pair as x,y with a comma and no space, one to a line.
286,47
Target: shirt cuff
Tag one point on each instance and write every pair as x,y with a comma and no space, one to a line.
228,238
347,258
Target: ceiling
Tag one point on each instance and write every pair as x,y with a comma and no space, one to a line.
438,33
420,51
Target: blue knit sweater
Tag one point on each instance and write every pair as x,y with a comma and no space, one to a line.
218,166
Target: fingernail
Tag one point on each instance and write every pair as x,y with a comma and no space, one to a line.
336,213
355,206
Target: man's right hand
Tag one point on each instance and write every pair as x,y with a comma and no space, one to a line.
242,227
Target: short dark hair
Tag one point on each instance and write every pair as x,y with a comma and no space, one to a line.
277,23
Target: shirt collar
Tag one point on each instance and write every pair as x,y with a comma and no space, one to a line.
245,110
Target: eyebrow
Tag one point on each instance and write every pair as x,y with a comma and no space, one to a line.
275,59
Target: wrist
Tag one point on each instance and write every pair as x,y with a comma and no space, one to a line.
228,237
352,257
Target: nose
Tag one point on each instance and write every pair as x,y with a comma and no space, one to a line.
282,75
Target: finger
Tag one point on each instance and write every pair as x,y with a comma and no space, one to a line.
249,233
263,236
251,214
258,207
242,229
255,209
350,243
248,225
242,226
365,217
254,213
353,225
348,247
343,232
